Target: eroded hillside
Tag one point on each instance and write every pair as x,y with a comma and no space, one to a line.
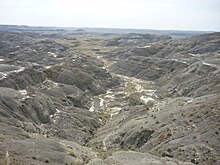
87,98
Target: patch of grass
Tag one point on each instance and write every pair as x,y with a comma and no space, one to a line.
104,154
84,129
103,116
73,154
4,162
77,162
85,45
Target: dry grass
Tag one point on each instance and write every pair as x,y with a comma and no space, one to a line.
85,44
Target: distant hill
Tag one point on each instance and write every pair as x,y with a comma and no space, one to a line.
173,33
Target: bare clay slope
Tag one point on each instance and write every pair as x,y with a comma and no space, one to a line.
45,94
184,121
71,98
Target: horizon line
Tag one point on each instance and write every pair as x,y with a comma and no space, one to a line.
125,28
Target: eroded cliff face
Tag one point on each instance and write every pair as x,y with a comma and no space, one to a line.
70,98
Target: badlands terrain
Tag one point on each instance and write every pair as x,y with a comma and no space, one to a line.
73,97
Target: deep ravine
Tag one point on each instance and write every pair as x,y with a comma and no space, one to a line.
132,93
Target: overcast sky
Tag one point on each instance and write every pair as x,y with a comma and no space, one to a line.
142,14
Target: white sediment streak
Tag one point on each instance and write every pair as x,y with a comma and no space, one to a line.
194,55
92,108
208,64
147,46
101,103
184,62
109,96
53,54
150,92
104,142
109,92
58,111
146,99
51,84
12,71
114,111
7,158
188,101
23,92
4,75
17,71
138,87
55,115
47,67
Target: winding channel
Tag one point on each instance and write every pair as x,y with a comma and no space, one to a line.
131,91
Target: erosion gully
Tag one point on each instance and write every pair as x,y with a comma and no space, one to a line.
118,99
